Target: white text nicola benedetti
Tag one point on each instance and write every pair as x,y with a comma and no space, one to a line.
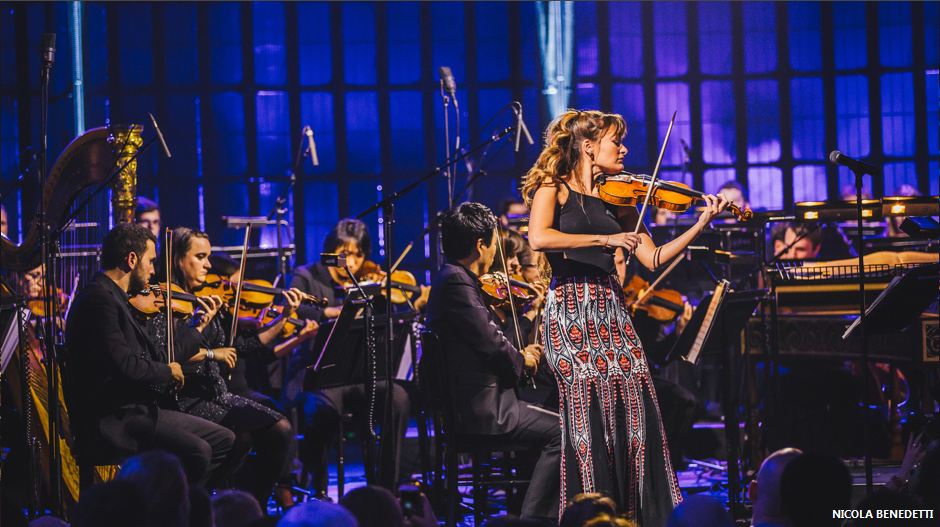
882,514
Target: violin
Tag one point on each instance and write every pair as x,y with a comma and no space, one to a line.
153,300
404,284
627,189
291,325
663,305
495,289
255,293
37,306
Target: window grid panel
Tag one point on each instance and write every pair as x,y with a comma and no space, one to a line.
626,39
897,114
765,186
852,120
805,36
670,34
760,37
719,139
808,118
809,183
585,22
894,34
763,122
671,97
900,175
715,47
314,34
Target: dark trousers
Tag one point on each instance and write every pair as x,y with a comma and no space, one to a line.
540,431
201,445
322,411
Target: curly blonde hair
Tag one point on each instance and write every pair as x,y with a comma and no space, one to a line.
562,151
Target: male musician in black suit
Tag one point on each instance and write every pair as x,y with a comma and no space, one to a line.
114,375
484,367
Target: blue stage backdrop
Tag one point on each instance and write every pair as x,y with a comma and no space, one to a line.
763,91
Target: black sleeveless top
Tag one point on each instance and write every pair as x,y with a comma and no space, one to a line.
584,214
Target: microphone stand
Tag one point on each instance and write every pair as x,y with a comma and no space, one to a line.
387,205
863,331
49,325
277,213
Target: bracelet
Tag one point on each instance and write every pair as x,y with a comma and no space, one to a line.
210,354
607,241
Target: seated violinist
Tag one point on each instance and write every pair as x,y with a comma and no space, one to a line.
350,237
114,374
202,348
262,338
484,366
323,408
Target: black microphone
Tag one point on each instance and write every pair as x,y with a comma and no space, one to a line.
311,146
48,49
854,165
520,124
156,128
448,84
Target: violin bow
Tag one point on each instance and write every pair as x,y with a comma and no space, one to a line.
512,303
168,264
649,290
653,178
238,286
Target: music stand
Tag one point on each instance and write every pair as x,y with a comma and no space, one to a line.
732,315
905,298
333,367
728,322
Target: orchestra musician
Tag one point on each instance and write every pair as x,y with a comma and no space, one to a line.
114,375
147,214
323,408
784,236
589,339
484,366
259,345
203,351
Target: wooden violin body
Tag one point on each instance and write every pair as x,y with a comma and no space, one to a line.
495,288
255,293
153,300
631,189
664,305
404,284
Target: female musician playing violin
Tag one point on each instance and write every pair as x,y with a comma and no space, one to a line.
201,347
349,236
602,373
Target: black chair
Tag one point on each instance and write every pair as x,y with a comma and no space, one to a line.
487,472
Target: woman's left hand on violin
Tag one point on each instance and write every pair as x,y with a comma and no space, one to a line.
293,297
714,205
209,308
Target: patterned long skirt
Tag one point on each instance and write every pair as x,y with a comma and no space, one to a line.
612,435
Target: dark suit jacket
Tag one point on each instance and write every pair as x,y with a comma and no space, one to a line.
484,366
113,375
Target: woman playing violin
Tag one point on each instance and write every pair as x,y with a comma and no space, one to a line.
349,236
589,338
201,347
